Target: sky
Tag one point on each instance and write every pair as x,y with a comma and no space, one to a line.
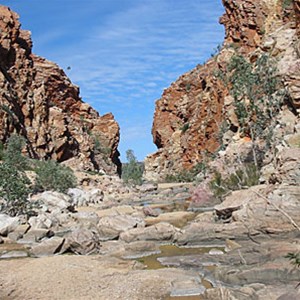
123,53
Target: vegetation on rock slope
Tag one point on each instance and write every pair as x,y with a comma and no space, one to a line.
15,186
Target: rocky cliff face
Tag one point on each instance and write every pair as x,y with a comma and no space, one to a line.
189,117
39,102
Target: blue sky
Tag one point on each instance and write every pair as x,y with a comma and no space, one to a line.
123,53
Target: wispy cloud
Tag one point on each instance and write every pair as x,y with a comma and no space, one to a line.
123,53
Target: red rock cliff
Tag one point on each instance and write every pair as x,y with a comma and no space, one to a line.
39,102
189,115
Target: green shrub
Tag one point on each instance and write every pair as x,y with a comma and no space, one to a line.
185,127
98,148
294,258
14,191
132,171
13,153
256,92
188,87
244,177
286,3
53,176
186,175
258,96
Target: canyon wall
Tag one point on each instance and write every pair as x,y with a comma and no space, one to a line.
39,102
189,117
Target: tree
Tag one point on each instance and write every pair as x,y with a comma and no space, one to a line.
132,170
54,176
257,95
14,190
13,153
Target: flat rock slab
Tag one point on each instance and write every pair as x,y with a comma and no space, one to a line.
114,211
267,273
182,288
87,277
14,254
158,232
176,218
129,251
35,235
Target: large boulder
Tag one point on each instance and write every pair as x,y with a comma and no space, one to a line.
8,224
85,197
53,201
54,245
110,227
83,241
158,232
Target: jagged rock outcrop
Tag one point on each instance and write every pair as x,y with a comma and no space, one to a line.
39,102
189,117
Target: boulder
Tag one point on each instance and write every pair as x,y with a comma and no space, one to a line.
150,212
42,221
289,166
85,197
207,233
83,241
53,201
111,226
19,232
8,224
35,235
117,210
158,232
54,245
86,217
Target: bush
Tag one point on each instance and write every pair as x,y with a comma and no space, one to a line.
254,89
287,3
13,153
244,177
294,258
185,127
14,191
132,172
53,176
258,96
187,175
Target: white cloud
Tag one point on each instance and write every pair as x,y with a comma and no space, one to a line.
123,63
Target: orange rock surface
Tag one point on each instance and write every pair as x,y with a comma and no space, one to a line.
39,102
189,115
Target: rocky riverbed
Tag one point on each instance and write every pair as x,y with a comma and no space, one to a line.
150,243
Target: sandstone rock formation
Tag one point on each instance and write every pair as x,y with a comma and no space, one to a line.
39,102
189,117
